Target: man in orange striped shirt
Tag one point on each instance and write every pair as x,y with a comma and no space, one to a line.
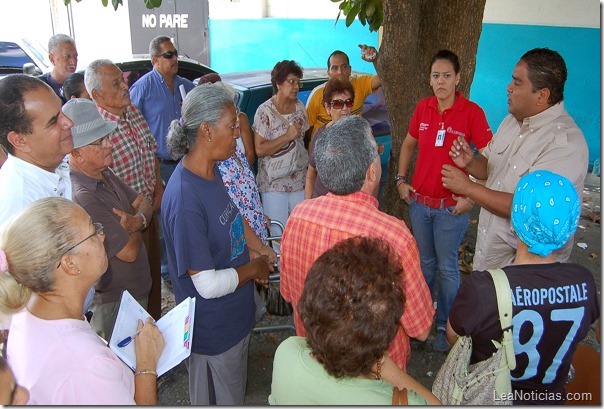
348,162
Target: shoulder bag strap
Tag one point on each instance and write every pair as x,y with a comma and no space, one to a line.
504,306
399,397
278,115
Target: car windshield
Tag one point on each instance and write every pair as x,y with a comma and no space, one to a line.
12,56
39,51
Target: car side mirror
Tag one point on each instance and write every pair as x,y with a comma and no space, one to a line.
29,68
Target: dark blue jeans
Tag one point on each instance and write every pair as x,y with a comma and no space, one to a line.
438,234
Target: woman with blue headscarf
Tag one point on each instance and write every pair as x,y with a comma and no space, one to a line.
554,303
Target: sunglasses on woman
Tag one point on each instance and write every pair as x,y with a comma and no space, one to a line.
339,104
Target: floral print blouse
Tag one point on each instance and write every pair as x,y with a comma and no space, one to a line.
240,184
269,126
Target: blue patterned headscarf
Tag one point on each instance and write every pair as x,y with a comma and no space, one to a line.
545,211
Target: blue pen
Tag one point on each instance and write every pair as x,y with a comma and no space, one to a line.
128,340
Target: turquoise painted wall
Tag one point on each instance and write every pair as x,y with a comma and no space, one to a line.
501,46
241,45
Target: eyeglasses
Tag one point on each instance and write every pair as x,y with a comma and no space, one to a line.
104,141
339,104
294,83
98,229
168,55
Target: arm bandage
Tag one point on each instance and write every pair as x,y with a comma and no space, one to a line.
215,283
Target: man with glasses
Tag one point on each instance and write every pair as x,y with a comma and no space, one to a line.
134,159
338,65
158,97
347,160
63,56
117,209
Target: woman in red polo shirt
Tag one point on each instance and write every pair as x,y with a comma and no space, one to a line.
437,216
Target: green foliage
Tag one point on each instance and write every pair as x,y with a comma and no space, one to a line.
151,4
368,11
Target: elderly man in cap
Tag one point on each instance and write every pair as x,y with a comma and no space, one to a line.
111,202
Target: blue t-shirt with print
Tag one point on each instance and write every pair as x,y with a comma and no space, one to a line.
203,230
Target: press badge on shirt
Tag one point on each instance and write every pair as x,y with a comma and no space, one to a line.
440,137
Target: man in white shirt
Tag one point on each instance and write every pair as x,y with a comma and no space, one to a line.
36,135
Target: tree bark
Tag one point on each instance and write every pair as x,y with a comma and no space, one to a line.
413,32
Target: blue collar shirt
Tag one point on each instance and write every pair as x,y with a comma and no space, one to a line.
159,105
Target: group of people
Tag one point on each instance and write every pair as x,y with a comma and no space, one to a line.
112,187
529,180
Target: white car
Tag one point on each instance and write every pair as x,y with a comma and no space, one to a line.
23,56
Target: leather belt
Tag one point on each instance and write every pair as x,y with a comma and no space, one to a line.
434,202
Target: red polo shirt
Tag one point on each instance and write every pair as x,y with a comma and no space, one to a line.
464,118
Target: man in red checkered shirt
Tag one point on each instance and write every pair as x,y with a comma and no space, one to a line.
348,162
133,152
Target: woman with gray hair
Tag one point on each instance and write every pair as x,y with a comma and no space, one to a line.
51,254
213,254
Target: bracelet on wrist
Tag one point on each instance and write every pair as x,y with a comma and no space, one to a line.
145,372
144,220
398,179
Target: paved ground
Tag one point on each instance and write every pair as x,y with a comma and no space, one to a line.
173,386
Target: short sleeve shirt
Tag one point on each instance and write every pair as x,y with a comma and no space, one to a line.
316,225
548,141
204,230
133,150
553,308
99,199
464,118
27,183
64,362
270,127
299,379
159,105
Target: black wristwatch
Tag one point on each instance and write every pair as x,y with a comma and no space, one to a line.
398,179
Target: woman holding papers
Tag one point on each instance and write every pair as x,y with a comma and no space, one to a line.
51,254
211,248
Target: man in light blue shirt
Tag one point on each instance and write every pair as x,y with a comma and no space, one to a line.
158,97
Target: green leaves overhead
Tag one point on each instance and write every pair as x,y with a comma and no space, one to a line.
368,11
151,4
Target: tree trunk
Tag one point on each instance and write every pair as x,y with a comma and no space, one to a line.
413,32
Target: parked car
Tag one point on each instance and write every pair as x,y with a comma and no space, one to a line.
254,87
23,56
136,68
